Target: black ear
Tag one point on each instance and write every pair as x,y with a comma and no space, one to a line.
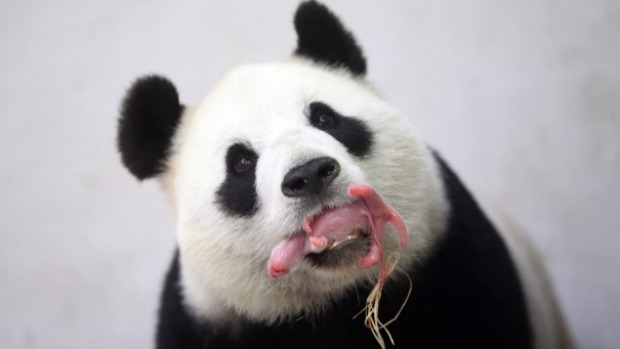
150,114
322,38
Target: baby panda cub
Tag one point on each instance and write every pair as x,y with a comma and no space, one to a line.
309,214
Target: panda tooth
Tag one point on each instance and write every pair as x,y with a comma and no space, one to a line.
331,245
355,233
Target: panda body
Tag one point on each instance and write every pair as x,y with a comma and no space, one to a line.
277,145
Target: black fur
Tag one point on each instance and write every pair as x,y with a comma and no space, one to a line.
322,38
351,132
465,295
237,194
150,114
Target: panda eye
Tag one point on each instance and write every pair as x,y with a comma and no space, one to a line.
243,163
240,159
322,116
323,121
352,132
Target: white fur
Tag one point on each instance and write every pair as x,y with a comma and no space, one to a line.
224,257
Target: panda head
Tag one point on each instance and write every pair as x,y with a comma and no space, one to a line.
273,149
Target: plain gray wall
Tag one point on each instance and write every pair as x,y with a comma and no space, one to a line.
521,97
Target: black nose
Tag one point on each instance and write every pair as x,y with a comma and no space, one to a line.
310,178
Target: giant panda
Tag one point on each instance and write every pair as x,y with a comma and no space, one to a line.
294,187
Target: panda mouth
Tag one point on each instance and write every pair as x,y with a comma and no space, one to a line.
342,252
350,235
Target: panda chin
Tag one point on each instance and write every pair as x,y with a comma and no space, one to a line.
342,253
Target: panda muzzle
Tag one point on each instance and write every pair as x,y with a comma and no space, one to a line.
325,231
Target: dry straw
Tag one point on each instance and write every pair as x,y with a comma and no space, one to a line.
371,319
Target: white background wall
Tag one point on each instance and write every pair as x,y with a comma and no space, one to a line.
521,97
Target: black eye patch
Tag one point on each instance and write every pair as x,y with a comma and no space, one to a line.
351,132
237,194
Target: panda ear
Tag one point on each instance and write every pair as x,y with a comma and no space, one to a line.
150,114
322,38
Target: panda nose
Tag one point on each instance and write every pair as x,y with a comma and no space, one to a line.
310,178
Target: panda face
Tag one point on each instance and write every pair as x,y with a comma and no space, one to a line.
234,180
279,177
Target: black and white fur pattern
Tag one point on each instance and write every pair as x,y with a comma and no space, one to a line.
222,164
